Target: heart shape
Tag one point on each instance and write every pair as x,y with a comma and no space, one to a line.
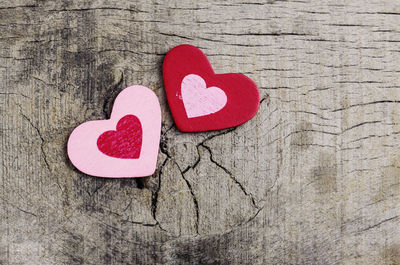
200,100
96,149
181,65
125,142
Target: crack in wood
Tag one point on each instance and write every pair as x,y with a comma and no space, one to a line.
248,194
195,202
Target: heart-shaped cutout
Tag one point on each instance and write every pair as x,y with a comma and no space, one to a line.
124,146
201,100
125,142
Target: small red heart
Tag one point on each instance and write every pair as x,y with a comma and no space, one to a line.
125,142
201,100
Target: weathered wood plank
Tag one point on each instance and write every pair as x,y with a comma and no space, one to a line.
312,179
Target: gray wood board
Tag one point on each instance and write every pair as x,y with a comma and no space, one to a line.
314,178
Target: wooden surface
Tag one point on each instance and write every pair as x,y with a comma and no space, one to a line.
314,178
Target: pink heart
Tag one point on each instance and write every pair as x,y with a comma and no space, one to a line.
200,100
88,157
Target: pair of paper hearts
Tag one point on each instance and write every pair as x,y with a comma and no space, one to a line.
127,144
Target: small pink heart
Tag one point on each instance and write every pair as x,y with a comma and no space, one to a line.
124,146
200,100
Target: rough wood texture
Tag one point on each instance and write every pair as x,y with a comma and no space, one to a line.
314,178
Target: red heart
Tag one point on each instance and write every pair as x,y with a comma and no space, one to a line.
125,142
202,106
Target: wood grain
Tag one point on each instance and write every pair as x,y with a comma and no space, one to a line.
314,178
